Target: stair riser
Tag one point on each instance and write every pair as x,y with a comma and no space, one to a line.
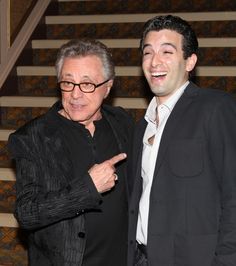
123,86
47,86
5,160
142,6
38,86
7,196
132,56
205,29
12,248
4,155
18,116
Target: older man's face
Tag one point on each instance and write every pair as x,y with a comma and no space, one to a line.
79,106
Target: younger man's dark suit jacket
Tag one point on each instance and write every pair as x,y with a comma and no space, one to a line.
192,215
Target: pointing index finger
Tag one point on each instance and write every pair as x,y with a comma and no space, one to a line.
117,158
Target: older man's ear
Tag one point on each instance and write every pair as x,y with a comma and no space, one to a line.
109,86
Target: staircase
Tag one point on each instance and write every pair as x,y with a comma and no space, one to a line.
119,25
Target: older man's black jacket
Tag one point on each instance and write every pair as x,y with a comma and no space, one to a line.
51,199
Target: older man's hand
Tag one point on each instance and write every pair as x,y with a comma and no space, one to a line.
103,174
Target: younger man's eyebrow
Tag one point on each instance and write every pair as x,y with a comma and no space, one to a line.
169,44
163,44
146,45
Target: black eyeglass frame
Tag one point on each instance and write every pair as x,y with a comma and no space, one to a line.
79,84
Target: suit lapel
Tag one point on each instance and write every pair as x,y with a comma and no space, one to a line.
138,146
181,106
137,159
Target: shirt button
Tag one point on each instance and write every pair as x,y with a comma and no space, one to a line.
80,212
81,234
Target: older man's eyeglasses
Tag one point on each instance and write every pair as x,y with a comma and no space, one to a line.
86,87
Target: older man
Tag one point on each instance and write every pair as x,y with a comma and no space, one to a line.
70,167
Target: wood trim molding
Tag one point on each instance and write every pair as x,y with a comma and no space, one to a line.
4,29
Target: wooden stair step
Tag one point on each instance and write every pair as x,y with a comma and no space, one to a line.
133,71
132,43
7,220
137,18
7,174
4,133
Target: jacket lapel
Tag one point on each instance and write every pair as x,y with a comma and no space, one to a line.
173,121
137,160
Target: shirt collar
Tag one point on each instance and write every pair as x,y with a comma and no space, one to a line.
150,115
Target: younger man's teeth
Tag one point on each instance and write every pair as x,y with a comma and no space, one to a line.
159,75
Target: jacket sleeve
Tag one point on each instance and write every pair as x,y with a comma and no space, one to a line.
38,204
222,135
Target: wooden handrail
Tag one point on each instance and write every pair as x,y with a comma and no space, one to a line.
4,21
9,54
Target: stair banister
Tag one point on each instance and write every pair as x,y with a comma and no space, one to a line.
9,54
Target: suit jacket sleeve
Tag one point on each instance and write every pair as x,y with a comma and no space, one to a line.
222,136
47,189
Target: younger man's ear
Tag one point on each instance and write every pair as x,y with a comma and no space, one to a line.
191,62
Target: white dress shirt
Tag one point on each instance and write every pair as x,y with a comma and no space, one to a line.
156,117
